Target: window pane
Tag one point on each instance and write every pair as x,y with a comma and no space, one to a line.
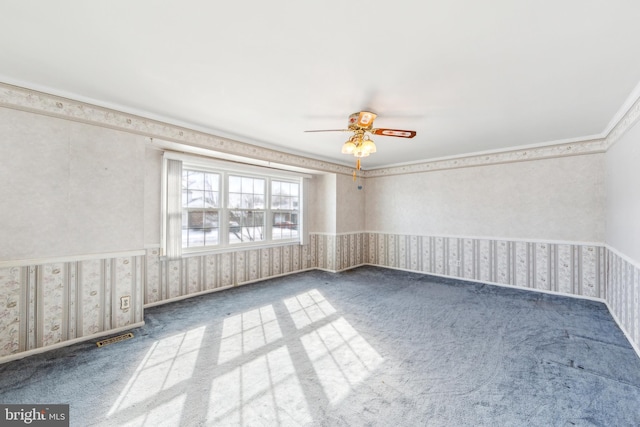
275,187
195,199
285,225
210,199
211,182
195,180
258,201
200,193
247,201
200,228
247,185
246,226
211,220
235,200
211,228
283,195
235,184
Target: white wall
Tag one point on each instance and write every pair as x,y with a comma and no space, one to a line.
552,199
322,204
350,213
623,232
152,196
336,204
623,195
68,188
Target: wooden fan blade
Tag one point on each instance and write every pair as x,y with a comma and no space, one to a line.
394,132
329,130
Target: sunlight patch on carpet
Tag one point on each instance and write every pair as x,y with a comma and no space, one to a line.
262,391
342,359
248,331
308,307
168,362
163,414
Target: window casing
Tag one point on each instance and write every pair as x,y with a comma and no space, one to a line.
227,206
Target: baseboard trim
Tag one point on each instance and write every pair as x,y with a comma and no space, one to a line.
39,350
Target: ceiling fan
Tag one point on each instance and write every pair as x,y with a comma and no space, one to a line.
360,143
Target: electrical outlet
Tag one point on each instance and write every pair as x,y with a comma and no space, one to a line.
125,302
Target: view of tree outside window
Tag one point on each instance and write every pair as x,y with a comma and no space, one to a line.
225,208
285,202
200,208
246,209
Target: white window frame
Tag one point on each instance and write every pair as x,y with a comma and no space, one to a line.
237,169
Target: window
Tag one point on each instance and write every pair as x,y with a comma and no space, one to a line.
246,209
200,208
220,206
285,203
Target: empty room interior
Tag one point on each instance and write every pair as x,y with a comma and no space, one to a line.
332,214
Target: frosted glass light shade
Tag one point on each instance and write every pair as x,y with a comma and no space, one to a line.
348,147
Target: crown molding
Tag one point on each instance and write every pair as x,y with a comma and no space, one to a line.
536,153
19,98
29,100
625,121
628,120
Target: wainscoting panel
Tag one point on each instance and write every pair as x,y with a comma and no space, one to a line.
170,280
14,299
46,304
568,268
91,276
336,252
623,293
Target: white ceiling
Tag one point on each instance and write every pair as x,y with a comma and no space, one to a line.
468,76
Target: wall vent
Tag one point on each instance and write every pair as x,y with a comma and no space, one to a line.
114,339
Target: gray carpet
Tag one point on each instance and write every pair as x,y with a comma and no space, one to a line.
369,346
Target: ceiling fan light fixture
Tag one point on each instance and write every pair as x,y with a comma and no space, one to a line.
360,145
369,146
349,147
360,152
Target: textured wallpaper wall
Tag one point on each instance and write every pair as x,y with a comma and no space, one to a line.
170,280
574,269
42,305
623,294
51,303
547,199
68,188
